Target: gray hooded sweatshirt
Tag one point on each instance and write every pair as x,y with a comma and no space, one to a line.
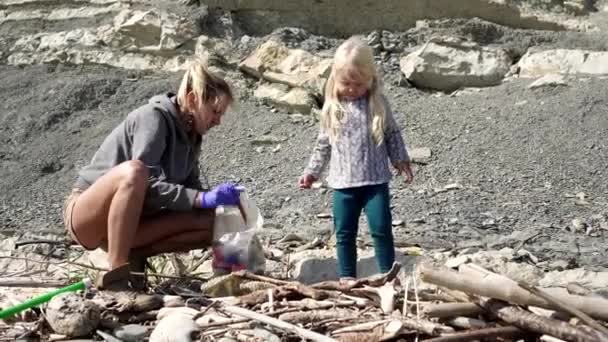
153,134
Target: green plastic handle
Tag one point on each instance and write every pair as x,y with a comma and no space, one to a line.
8,312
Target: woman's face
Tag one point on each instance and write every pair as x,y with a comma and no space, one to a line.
210,114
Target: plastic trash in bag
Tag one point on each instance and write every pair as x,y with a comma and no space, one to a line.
235,243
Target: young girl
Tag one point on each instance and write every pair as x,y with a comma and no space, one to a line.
141,195
358,136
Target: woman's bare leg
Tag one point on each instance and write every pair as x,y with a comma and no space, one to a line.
111,209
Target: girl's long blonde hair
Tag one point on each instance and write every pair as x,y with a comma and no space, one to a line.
354,53
205,85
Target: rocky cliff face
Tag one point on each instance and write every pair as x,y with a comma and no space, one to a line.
502,103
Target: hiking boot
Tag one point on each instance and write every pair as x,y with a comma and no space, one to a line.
114,280
138,264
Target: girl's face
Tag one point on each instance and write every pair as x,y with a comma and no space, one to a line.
351,84
209,114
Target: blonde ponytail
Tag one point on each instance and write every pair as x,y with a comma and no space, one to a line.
205,85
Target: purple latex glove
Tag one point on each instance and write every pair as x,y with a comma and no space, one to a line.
223,194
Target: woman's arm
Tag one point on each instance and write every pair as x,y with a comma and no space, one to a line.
149,142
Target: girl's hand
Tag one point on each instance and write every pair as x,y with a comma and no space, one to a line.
306,181
404,167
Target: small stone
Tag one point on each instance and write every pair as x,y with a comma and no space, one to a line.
397,223
259,149
418,220
488,223
274,110
324,216
550,80
322,191
268,139
452,221
577,225
276,149
420,155
131,332
287,199
453,186
521,103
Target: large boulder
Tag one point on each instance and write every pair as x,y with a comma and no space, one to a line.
448,66
563,61
275,62
294,100
147,30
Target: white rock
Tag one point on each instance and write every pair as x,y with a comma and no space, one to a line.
267,55
131,332
174,328
71,315
295,100
175,31
449,66
312,266
549,80
421,155
563,61
296,68
138,28
397,223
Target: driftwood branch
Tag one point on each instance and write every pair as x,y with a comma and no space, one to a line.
447,310
503,288
426,327
488,334
374,280
24,282
526,320
565,307
311,335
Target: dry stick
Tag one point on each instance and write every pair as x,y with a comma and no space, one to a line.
532,322
407,286
426,327
415,280
447,310
503,288
241,320
467,323
252,276
374,280
311,335
58,263
482,334
41,241
565,307
21,282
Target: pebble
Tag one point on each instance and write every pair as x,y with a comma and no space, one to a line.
260,149
131,332
324,216
577,225
276,149
397,223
